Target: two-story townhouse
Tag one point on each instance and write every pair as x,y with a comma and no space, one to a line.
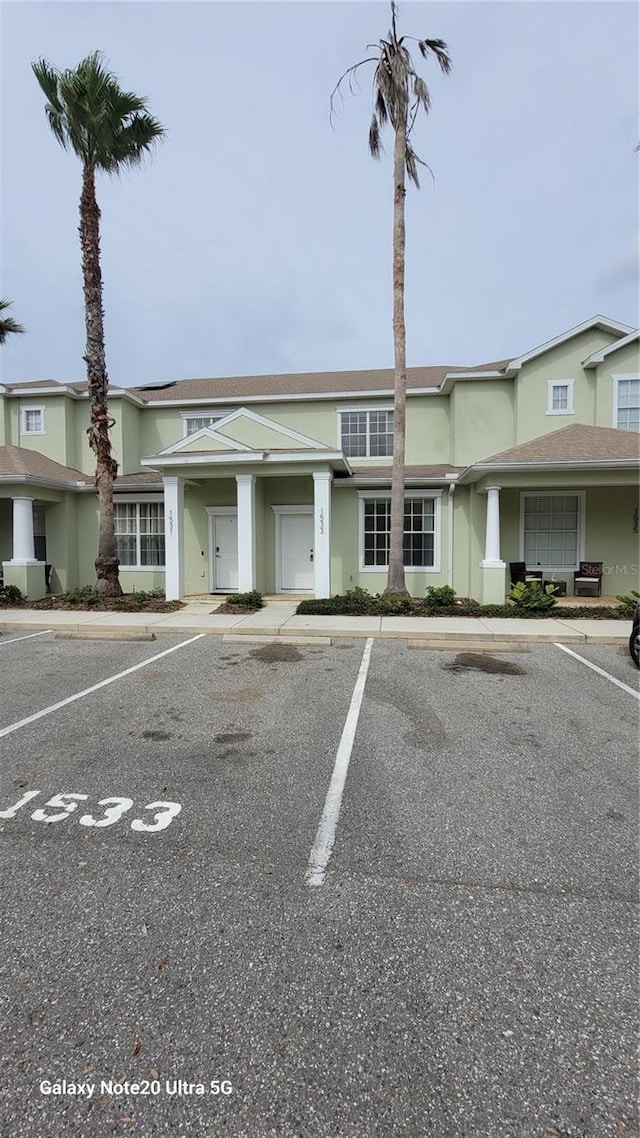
282,482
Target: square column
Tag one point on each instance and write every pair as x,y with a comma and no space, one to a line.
322,533
246,491
174,536
492,566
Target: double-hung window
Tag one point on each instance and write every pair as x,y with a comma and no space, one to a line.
627,402
551,524
367,433
32,421
559,397
139,530
421,521
193,423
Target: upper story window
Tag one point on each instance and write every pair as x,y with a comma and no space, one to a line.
367,434
193,423
32,421
626,402
559,397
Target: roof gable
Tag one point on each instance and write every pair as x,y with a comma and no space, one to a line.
613,327
244,430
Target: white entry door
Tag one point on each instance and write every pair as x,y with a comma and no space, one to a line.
224,551
296,552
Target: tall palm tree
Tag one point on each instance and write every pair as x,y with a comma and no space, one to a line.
8,325
398,94
109,130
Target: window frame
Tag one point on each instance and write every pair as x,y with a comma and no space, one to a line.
624,377
23,419
215,415
349,409
580,542
551,385
420,494
138,500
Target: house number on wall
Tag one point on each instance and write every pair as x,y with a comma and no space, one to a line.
170,521
321,521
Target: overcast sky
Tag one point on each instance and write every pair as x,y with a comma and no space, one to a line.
258,239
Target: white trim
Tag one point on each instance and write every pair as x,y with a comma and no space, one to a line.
23,420
542,493
204,414
373,459
136,500
599,357
160,460
617,377
279,511
594,322
204,433
212,512
450,546
271,425
551,385
436,495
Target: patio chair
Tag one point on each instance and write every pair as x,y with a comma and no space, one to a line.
589,578
519,572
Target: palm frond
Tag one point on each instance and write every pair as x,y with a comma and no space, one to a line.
90,113
375,145
349,75
8,326
439,50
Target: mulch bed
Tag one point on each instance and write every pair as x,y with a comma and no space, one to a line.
229,609
125,603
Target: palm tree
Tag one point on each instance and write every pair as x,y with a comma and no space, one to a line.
7,324
109,130
398,94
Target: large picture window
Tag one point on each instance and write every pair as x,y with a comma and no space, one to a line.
140,534
366,434
551,530
420,532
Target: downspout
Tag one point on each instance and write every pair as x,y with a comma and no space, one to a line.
450,535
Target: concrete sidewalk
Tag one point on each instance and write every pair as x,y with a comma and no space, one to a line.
278,619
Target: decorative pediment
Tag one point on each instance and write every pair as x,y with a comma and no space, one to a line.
245,430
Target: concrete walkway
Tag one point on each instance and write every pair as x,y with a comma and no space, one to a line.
278,619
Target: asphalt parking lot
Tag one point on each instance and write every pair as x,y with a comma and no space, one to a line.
464,966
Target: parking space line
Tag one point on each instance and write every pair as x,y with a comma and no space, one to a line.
95,687
326,833
30,636
600,671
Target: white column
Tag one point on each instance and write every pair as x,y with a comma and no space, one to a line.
492,557
174,536
246,484
322,533
23,546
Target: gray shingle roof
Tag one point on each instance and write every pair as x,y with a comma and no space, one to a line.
577,443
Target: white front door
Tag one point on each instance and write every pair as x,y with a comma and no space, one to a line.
296,552
224,551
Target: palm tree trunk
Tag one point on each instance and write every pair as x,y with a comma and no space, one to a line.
396,579
106,562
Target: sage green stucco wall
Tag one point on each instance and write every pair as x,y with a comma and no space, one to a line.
53,441
626,361
482,420
561,362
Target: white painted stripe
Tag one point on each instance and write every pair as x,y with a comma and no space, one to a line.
326,834
29,637
600,671
95,687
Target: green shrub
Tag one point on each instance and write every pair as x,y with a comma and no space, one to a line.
11,596
391,605
82,595
251,600
440,597
628,603
531,595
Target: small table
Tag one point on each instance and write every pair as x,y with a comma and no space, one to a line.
560,587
